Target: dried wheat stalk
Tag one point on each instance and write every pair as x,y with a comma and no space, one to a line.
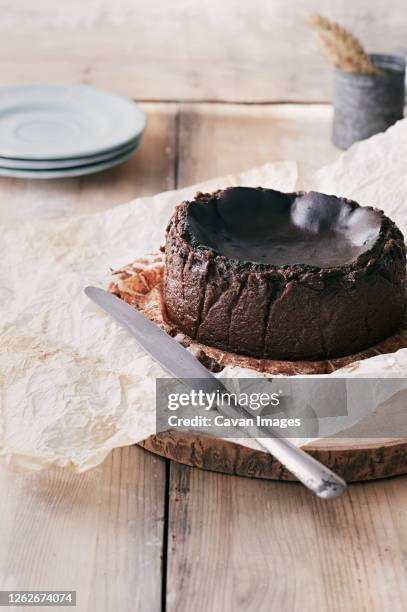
344,48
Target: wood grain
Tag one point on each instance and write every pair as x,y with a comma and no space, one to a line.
99,533
232,50
238,544
219,139
352,459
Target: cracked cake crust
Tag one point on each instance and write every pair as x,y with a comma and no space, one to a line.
292,311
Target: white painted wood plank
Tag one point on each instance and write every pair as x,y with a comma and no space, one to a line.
99,533
230,50
218,139
242,545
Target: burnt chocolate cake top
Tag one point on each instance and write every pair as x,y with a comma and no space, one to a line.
309,231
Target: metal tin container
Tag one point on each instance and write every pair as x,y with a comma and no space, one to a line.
367,104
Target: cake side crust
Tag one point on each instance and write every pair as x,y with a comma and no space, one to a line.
288,312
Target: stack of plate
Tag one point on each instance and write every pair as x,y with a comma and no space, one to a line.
54,131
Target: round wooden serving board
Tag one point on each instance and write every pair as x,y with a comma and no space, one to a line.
354,459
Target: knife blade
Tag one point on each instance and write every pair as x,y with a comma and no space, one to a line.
182,365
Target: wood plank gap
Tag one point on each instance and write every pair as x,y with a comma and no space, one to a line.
176,144
164,563
231,101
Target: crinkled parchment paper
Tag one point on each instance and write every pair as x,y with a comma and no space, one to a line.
73,384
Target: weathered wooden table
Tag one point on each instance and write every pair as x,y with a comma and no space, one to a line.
139,532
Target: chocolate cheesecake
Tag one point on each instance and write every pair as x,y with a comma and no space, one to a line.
283,275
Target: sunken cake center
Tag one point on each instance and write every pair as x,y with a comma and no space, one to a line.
270,227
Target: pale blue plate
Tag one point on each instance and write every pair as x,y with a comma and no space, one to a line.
67,172
59,164
58,122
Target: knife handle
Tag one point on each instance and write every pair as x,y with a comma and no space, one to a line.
313,474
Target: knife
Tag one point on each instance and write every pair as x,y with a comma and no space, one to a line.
181,364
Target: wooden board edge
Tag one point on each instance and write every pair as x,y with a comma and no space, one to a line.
370,462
